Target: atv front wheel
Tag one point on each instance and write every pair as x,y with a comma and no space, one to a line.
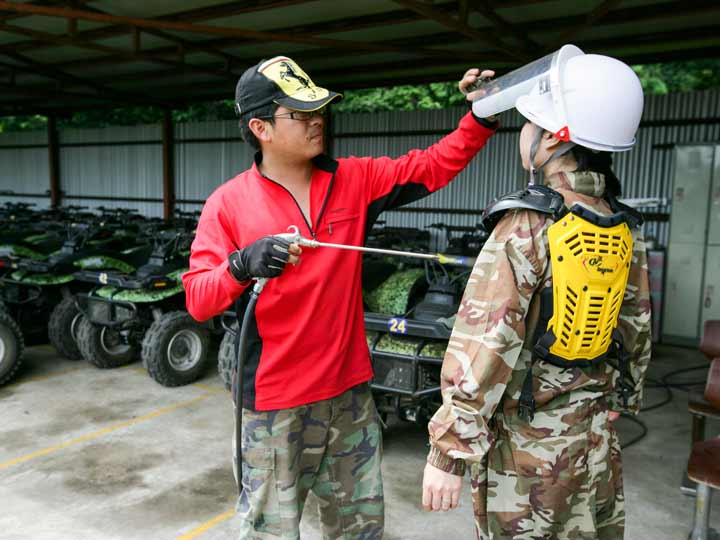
63,328
11,347
226,359
176,349
104,347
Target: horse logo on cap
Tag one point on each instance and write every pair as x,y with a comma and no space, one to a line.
289,73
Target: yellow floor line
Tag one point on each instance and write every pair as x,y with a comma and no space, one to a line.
44,377
103,431
208,388
192,535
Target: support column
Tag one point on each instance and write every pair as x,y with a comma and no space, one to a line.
168,151
54,161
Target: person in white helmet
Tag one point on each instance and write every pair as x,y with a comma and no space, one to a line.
552,338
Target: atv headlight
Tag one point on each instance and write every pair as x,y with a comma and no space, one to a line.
122,313
393,373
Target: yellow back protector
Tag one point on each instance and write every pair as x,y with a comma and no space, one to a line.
591,257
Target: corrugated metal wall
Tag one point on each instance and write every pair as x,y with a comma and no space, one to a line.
202,162
24,166
207,154
113,162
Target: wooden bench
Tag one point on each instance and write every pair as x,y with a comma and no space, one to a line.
704,463
698,405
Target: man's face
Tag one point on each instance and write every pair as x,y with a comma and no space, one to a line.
299,137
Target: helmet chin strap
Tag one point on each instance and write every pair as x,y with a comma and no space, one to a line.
535,172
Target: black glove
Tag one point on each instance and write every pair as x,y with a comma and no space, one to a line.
264,258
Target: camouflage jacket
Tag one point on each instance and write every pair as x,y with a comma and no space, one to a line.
490,347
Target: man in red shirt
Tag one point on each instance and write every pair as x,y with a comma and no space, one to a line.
309,421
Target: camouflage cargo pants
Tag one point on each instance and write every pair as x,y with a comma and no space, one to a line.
332,447
559,477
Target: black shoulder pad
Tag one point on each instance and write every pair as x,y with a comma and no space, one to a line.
539,198
633,218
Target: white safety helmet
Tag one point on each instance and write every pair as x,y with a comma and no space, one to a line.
591,100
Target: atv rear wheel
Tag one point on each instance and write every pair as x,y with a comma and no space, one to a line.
11,347
226,359
63,328
176,349
104,347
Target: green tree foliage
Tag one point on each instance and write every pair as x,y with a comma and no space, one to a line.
676,77
22,123
671,77
406,97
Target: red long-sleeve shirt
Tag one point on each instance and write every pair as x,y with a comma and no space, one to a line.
307,339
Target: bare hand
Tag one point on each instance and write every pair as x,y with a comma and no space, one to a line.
612,416
470,77
441,490
295,251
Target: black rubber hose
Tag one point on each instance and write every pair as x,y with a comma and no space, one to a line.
685,384
241,353
665,384
668,395
639,437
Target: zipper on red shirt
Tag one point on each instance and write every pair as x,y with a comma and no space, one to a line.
322,208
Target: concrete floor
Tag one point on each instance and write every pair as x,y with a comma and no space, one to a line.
87,454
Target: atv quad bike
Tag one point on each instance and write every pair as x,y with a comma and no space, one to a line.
409,317
143,313
38,292
408,321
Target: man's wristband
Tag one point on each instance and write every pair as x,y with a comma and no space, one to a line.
237,268
490,122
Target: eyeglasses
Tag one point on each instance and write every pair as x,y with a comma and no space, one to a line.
301,116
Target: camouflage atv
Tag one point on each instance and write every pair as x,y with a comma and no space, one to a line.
144,314
38,291
26,233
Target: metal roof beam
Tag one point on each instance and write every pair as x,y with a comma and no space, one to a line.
223,31
235,8
11,16
48,95
338,25
455,24
194,15
487,10
660,11
588,20
185,44
683,37
61,76
131,56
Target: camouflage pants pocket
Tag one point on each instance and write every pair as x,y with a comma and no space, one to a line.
259,503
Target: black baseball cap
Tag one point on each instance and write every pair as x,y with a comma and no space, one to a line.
280,80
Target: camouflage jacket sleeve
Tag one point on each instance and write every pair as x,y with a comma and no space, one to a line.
487,338
634,325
